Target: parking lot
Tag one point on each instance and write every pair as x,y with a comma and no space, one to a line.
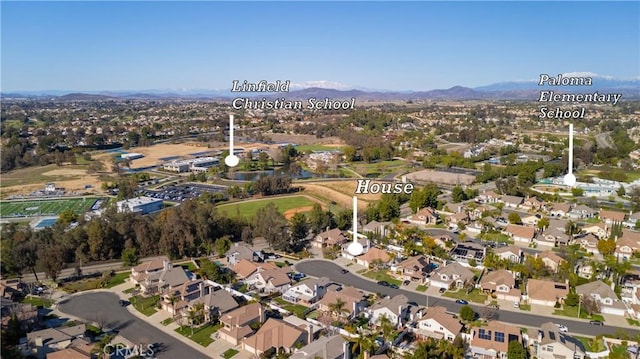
181,192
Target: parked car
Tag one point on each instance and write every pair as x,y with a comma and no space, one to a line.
406,282
562,328
442,290
383,283
344,271
394,286
462,301
596,322
494,306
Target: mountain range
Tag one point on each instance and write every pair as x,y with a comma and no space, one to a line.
515,90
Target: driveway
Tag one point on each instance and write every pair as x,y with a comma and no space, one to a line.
104,306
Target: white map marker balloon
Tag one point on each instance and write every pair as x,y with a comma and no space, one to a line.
570,178
231,160
355,248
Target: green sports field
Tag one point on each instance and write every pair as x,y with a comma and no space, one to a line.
48,207
249,208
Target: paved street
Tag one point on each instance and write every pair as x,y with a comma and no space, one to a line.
319,268
104,306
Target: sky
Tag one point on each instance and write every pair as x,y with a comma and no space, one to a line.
94,46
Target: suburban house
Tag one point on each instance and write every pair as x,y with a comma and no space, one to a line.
237,323
80,348
379,228
396,309
354,301
333,347
374,256
533,203
492,340
599,230
270,280
500,283
512,201
560,210
163,280
275,335
531,221
604,296
511,253
520,233
329,238
611,217
142,270
625,247
488,197
241,251
466,251
554,235
425,216
363,240
551,260
590,243
585,270
245,269
457,218
437,323
412,268
453,275
551,343
582,212
216,303
307,292
546,292
41,342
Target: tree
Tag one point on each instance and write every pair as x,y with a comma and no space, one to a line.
272,225
223,244
590,305
514,218
52,259
516,350
572,298
606,246
299,226
66,217
130,257
337,308
577,192
543,223
173,300
467,313
458,194
361,344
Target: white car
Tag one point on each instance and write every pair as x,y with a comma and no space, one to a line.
562,328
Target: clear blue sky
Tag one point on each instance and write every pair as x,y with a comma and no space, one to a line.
382,45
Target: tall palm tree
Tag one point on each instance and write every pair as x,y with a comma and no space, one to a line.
192,318
361,344
173,300
338,308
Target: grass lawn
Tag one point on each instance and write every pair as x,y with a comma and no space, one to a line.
633,322
200,335
117,279
145,305
526,307
305,148
229,353
421,288
189,266
297,309
497,237
475,295
586,342
36,175
382,275
572,312
167,322
249,208
129,291
37,301
49,207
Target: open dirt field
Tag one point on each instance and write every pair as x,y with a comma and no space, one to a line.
290,213
343,199
305,139
441,177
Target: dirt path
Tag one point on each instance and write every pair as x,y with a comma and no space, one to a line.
341,199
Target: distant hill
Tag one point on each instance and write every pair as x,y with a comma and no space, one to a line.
512,90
